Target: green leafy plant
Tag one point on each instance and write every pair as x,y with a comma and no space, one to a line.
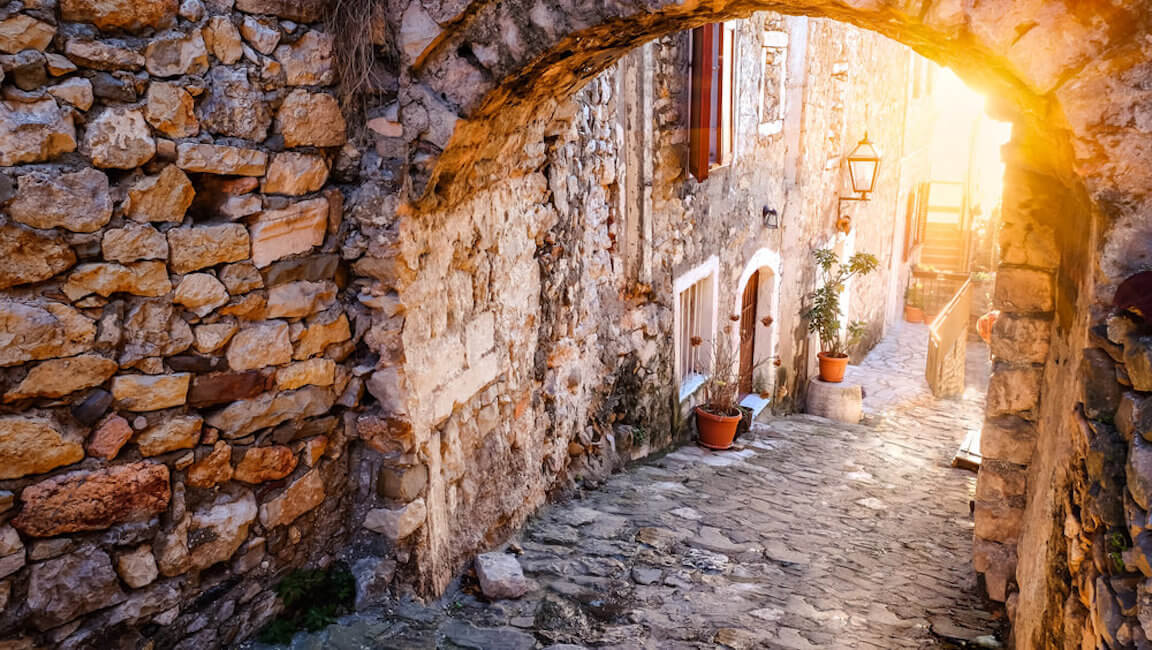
313,599
823,313
639,436
914,294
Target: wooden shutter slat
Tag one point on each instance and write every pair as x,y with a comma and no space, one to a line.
700,131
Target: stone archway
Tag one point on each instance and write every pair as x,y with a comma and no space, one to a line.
477,91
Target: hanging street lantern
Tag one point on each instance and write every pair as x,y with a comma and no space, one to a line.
863,165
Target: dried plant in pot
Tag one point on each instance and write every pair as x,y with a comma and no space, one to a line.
823,313
718,417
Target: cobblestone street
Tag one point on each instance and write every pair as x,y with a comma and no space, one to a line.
808,535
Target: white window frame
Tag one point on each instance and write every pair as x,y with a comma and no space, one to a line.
707,273
773,124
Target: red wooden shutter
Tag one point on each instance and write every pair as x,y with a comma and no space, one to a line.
700,120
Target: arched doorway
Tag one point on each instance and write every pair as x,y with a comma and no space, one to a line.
487,80
758,305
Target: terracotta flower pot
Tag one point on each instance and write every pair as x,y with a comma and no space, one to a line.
913,314
832,368
716,431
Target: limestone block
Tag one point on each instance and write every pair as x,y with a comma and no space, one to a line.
209,535
309,61
58,65
34,132
172,433
1000,481
1024,290
93,500
998,564
298,299
263,34
212,337
30,256
998,522
302,11
417,31
64,588
119,138
109,436
260,464
220,159
213,469
22,32
60,377
1139,472
1099,391
319,335
313,372
164,197
241,278
75,91
224,387
480,336
295,173
200,293
79,201
242,417
1134,415
1013,390
172,54
501,576
223,39
134,242
266,344
153,329
304,494
1009,439
35,330
296,229
126,15
233,106
837,402
397,523
171,110
150,392
311,119
34,445
102,55
1021,339
1138,361
403,484
198,247
137,568
105,278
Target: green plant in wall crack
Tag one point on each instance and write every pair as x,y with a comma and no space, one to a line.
313,599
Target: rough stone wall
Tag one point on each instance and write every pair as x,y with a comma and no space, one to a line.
230,348
175,353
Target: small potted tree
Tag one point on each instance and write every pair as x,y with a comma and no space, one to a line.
823,314
914,302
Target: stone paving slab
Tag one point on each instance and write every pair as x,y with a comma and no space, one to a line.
809,534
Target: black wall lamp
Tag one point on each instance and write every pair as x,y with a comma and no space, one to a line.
771,218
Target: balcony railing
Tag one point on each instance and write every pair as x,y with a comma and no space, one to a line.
948,345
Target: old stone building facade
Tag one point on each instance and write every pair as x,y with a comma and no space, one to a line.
247,328
229,350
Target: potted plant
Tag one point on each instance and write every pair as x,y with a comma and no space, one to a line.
823,314
718,417
760,386
914,302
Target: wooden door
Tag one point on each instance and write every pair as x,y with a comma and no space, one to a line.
748,332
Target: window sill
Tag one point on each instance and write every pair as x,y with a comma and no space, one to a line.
690,385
